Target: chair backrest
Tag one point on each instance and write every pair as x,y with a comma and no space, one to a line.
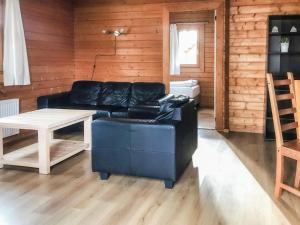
276,112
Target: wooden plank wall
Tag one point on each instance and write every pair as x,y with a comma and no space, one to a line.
139,56
48,29
247,87
206,77
139,53
49,42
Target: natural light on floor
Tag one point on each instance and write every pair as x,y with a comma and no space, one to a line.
227,187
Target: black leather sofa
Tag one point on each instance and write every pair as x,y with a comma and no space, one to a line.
110,99
138,129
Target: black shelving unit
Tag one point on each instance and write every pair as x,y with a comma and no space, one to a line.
279,63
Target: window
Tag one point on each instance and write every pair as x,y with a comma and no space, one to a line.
191,45
188,47
1,38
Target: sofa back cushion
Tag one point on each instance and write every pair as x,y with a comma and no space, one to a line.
85,92
143,93
115,94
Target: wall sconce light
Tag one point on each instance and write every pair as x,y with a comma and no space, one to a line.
116,33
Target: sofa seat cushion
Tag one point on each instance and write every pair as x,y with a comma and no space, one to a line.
120,113
101,111
106,110
85,92
115,94
146,93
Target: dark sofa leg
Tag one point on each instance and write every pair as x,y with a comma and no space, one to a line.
169,184
104,176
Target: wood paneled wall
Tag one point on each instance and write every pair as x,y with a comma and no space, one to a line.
48,27
139,53
248,43
206,77
48,30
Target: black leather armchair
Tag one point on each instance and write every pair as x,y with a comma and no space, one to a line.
151,148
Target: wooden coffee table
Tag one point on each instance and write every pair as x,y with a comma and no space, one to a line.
48,151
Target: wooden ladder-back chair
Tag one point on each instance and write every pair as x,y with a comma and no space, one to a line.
290,149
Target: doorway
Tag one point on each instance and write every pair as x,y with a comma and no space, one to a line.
194,50
213,87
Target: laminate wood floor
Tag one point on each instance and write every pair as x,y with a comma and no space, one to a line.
206,119
230,181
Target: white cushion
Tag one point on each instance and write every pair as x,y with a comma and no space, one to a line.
185,83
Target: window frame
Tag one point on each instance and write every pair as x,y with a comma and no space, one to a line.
200,43
1,38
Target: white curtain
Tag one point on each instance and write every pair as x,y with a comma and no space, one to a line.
15,61
174,51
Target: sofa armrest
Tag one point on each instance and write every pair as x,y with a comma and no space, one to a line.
165,98
53,101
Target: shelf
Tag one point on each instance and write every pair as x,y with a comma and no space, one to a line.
284,53
59,151
282,118
285,34
279,63
279,76
284,17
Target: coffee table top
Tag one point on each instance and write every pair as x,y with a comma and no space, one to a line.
44,118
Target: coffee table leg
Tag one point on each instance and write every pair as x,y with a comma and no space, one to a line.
44,151
88,132
1,147
51,135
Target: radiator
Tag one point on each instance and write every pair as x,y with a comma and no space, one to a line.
9,107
